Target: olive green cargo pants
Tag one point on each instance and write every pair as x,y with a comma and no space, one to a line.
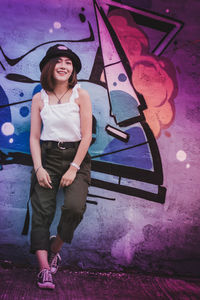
43,200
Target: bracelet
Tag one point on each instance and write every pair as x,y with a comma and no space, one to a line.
38,169
75,165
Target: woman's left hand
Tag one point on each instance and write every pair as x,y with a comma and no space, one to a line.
68,177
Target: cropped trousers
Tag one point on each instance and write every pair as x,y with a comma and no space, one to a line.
56,161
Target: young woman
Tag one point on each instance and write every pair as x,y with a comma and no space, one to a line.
61,133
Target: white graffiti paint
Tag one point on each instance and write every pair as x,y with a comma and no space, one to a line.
181,155
57,25
7,128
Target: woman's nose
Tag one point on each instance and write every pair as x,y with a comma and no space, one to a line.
62,64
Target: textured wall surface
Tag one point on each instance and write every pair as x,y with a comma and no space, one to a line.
145,151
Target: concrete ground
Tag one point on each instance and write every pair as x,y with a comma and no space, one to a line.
20,283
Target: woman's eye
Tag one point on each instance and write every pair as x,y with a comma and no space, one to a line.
67,62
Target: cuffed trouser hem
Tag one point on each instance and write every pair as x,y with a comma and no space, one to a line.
39,240
68,224
33,251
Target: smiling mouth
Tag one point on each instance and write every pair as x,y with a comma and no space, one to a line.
61,72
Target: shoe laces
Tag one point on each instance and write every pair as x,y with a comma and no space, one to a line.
46,275
54,257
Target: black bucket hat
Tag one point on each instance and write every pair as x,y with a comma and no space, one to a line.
61,50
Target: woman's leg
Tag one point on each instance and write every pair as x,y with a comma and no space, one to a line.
42,257
57,244
43,202
72,214
75,196
43,210
73,209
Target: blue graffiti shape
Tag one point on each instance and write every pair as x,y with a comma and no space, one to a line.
121,102
24,111
135,153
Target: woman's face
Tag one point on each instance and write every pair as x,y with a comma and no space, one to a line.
63,69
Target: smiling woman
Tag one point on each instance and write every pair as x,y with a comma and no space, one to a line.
60,156
60,70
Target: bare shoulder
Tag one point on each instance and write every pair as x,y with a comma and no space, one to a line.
83,93
37,99
84,98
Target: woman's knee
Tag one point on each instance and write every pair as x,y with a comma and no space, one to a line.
74,209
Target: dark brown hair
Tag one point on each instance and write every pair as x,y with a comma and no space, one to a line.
47,80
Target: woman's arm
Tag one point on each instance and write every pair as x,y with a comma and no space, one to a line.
86,126
42,175
86,136
35,132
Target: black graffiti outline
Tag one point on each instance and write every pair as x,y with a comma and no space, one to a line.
155,177
14,61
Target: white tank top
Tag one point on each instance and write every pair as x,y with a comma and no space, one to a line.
61,122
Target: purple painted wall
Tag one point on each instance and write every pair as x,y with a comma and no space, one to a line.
141,67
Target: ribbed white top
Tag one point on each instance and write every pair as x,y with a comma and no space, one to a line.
61,122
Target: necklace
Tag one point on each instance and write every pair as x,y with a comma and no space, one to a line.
59,99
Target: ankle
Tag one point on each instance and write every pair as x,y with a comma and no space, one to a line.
54,249
44,268
55,246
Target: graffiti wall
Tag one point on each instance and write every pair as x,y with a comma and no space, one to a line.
141,68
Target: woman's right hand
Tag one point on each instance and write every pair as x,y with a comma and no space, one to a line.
43,178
